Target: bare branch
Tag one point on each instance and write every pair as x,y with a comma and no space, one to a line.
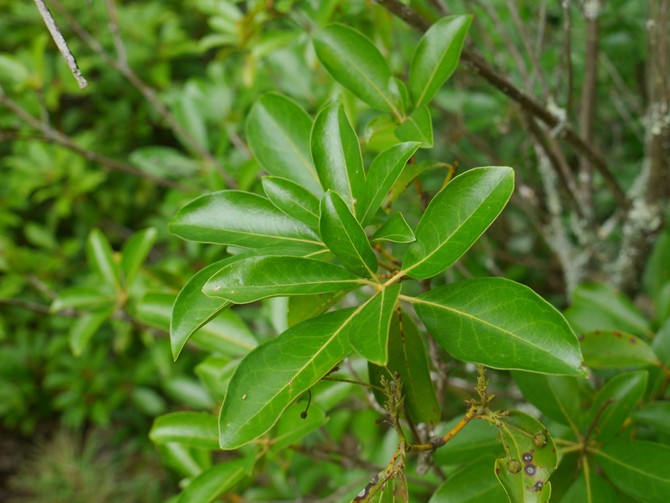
61,43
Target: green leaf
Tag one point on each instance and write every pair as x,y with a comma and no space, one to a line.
411,172
296,422
595,491
661,346
101,259
196,429
86,326
358,65
476,439
557,397
224,332
655,414
637,468
530,458
456,217
614,402
382,174
337,155
599,307
408,358
256,278
292,199
278,133
604,349
215,481
474,483
135,252
186,461
231,217
436,57
276,373
395,229
304,307
345,237
417,127
82,297
369,330
501,324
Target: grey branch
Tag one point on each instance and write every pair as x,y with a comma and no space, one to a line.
61,43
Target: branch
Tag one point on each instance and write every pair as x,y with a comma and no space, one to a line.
60,43
529,104
53,135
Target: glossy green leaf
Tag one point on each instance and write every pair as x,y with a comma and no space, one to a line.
231,217
296,422
292,199
135,252
256,278
382,174
395,229
224,332
418,126
276,373
598,307
638,468
529,461
82,297
474,483
215,481
604,349
369,330
614,403
196,429
101,259
278,132
436,57
409,359
86,326
304,307
595,491
456,217
476,439
654,414
501,324
345,237
558,397
354,61
337,155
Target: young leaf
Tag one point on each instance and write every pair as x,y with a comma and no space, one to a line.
456,217
408,358
530,458
224,332
382,174
638,468
231,217
337,155
101,259
276,373
417,127
614,402
135,252
395,229
345,237
595,491
215,481
369,330
501,324
86,326
292,199
196,429
358,65
436,57
256,278
556,396
604,349
474,483
278,133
